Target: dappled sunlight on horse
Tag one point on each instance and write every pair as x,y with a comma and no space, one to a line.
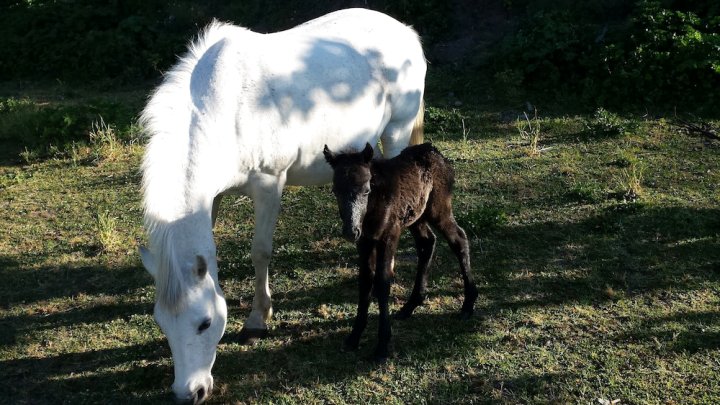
247,113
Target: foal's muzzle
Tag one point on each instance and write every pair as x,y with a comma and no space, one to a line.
352,234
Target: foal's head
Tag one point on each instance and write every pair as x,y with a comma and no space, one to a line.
351,186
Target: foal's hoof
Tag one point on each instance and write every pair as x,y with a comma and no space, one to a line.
350,345
381,356
249,336
403,314
466,314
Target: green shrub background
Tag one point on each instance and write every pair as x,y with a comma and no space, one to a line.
628,53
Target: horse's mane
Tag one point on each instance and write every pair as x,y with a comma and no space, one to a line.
170,282
166,120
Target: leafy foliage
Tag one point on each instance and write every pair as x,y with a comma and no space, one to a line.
656,52
135,39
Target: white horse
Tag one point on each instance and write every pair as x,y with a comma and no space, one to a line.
248,113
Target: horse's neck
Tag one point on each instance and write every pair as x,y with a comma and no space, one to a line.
191,231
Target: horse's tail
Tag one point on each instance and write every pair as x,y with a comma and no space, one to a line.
418,133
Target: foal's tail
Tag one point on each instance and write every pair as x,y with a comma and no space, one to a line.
417,135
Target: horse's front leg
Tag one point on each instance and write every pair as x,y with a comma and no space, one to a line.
265,191
366,254
384,275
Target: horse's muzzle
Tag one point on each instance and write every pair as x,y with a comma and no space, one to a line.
198,397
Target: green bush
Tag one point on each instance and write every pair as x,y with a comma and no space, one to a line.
443,121
606,123
646,52
137,39
671,55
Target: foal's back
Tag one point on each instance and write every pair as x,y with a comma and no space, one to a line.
416,183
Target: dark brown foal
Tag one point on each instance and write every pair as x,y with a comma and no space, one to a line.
377,200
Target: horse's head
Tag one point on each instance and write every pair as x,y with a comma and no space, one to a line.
191,311
351,186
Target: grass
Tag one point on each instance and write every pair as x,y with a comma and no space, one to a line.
587,296
530,130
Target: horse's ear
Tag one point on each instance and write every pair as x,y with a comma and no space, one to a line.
329,156
200,266
148,260
367,153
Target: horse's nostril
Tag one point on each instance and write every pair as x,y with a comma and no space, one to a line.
199,395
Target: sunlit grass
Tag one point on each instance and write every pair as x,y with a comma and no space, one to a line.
586,296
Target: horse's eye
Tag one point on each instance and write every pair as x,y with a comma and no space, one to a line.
204,325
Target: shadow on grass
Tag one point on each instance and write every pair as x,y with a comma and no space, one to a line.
13,327
83,377
28,285
626,250
310,354
688,332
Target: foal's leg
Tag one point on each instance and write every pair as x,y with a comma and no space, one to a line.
458,241
424,245
265,191
381,288
366,252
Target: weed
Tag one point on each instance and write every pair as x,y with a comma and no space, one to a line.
107,235
629,182
78,152
481,218
585,192
606,123
103,137
530,130
29,155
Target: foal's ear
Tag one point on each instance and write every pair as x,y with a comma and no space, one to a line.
200,266
329,156
367,153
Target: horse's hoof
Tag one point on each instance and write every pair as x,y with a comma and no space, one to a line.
248,336
402,315
466,314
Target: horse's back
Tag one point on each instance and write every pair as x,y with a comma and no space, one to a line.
267,103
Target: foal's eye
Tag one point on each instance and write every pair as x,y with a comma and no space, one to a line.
204,325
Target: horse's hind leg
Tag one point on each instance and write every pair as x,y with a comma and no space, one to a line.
395,137
458,241
425,246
